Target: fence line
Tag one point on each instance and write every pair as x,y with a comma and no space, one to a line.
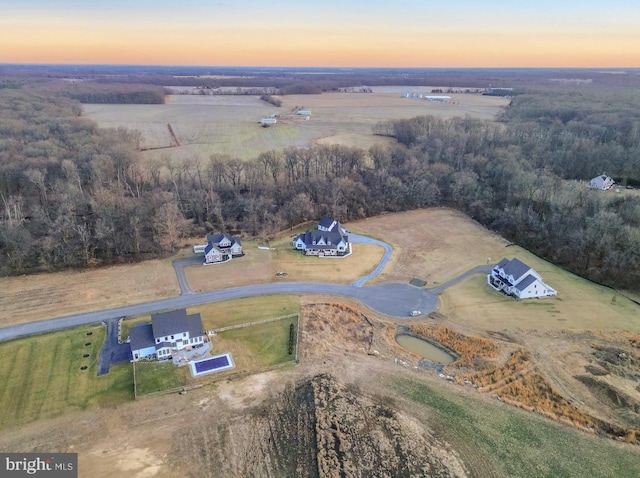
249,324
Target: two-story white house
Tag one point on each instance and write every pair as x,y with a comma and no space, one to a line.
219,247
167,333
514,277
603,182
330,239
322,243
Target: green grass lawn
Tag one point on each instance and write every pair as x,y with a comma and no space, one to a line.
253,348
257,346
516,443
158,376
231,312
580,304
41,376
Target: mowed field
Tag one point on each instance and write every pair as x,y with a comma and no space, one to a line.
42,376
229,125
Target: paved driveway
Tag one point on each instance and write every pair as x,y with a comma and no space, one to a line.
358,239
112,352
179,266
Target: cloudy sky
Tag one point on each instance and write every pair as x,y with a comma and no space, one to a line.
399,33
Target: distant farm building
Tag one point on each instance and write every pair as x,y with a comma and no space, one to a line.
437,98
601,182
304,112
267,121
514,277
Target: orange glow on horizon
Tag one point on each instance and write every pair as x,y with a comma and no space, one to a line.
297,46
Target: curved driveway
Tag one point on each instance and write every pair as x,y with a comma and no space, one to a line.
358,239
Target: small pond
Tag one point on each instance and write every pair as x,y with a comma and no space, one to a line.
424,349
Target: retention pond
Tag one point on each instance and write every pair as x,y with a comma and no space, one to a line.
425,349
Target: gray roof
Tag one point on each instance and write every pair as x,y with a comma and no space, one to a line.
310,237
141,336
195,325
514,267
176,322
599,181
526,282
330,224
216,238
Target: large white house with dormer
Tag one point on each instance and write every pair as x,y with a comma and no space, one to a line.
167,333
328,240
514,277
219,248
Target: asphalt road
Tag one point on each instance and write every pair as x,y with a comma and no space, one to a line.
396,300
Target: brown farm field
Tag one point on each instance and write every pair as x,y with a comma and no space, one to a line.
435,245
229,125
45,296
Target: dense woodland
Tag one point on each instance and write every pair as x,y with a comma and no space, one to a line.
73,195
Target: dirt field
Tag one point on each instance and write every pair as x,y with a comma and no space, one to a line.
206,125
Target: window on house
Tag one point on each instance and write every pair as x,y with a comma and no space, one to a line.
172,337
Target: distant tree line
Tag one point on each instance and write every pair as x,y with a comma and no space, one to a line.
75,195
90,92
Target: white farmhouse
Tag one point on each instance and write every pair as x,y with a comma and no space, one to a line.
167,333
601,182
329,240
514,277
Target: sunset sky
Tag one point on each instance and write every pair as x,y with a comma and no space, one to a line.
359,33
